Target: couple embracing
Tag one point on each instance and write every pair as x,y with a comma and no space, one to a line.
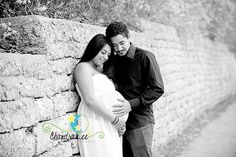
117,83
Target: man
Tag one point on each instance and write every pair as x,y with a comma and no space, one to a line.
139,80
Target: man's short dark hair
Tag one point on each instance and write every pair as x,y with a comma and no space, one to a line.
116,28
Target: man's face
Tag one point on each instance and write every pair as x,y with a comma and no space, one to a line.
120,44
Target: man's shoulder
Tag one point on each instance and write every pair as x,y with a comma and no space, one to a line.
144,53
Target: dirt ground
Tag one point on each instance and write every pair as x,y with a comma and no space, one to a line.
212,135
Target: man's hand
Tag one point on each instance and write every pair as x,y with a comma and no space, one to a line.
122,108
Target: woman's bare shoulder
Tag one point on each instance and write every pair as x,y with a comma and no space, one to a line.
83,66
83,70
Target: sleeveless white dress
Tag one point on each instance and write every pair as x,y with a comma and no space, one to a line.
102,137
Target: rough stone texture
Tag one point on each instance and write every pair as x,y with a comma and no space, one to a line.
61,150
36,82
18,143
45,145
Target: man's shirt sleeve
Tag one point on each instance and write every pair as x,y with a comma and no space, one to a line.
153,83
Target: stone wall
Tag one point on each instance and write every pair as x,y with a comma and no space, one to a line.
37,85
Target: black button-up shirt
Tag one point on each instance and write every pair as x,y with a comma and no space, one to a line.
139,80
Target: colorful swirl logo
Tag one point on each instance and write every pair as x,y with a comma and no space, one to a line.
76,122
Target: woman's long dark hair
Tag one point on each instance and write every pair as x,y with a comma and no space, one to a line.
108,66
93,48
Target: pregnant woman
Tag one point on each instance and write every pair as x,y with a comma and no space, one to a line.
98,95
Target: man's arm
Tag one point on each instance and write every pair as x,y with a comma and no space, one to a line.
154,86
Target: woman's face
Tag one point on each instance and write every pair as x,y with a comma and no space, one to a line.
102,55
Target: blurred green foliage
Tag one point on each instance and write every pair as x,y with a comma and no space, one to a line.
97,12
214,19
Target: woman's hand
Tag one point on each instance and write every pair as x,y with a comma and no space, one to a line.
121,131
118,123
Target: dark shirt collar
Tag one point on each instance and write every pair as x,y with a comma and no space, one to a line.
131,52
